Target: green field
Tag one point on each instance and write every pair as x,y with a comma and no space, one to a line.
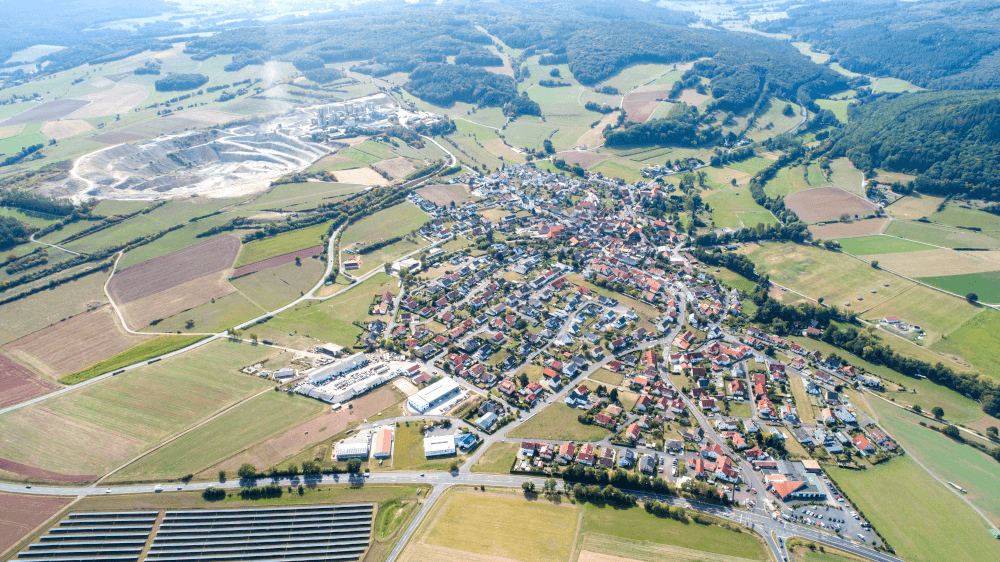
558,422
390,253
774,122
977,342
985,285
177,240
793,180
940,235
608,377
949,460
99,427
228,434
29,136
283,243
844,175
635,524
498,459
300,196
277,286
894,85
226,312
552,527
32,218
959,215
838,107
920,518
395,221
734,207
874,245
618,168
935,312
408,451
30,314
327,321
155,347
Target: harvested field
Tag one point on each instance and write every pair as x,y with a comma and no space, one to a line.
330,162
165,272
692,97
443,195
864,227
912,207
119,99
22,514
615,549
48,111
59,130
397,168
826,203
276,261
362,176
76,343
639,106
168,302
584,159
33,473
19,384
12,131
117,137
595,136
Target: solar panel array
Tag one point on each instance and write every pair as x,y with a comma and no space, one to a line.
84,537
313,533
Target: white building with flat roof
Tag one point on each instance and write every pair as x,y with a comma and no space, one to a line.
434,395
439,445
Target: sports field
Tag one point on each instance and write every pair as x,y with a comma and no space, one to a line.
918,516
874,245
498,459
95,429
985,285
558,422
283,243
228,434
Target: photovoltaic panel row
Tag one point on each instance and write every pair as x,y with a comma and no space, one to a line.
315,533
85,537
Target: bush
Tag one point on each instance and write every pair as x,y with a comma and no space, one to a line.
213,494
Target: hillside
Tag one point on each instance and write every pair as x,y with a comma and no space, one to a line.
947,139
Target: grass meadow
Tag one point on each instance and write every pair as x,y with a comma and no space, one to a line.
146,350
228,434
300,196
408,451
498,459
877,244
558,422
985,285
939,235
395,221
976,341
97,428
283,243
920,518
275,287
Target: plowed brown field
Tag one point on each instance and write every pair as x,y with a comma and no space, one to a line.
21,514
20,384
164,304
826,203
169,271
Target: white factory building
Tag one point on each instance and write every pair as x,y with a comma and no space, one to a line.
346,365
433,396
439,445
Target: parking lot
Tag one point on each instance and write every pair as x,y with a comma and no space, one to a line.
838,519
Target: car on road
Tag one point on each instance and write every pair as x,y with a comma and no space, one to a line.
158,488
108,491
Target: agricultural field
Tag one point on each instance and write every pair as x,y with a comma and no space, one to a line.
920,518
913,207
330,320
275,287
390,253
936,313
874,245
174,269
74,344
839,230
498,459
21,514
939,235
844,175
20,384
301,196
402,219
30,314
734,207
949,460
558,422
211,317
961,215
976,341
235,430
280,244
97,428
444,195
940,262
793,180
986,285
827,203
278,261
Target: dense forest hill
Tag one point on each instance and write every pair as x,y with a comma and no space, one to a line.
947,139
950,44
443,84
684,126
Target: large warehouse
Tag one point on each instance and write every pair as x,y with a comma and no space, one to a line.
434,395
382,446
439,445
338,368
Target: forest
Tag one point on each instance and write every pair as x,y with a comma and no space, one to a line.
12,232
951,44
180,82
444,84
947,139
683,127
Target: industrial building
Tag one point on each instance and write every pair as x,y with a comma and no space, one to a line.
439,445
346,365
356,447
382,445
433,396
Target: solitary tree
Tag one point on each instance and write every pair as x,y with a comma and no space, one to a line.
222,476
938,412
973,298
247,471
917,408
354,466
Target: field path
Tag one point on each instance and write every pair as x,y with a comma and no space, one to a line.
32,239
404,539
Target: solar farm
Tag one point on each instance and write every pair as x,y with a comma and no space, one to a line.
314,533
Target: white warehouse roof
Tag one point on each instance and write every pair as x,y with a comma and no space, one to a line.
439,445
423,400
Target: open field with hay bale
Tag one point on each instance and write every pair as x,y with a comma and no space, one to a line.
827,203
74,344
